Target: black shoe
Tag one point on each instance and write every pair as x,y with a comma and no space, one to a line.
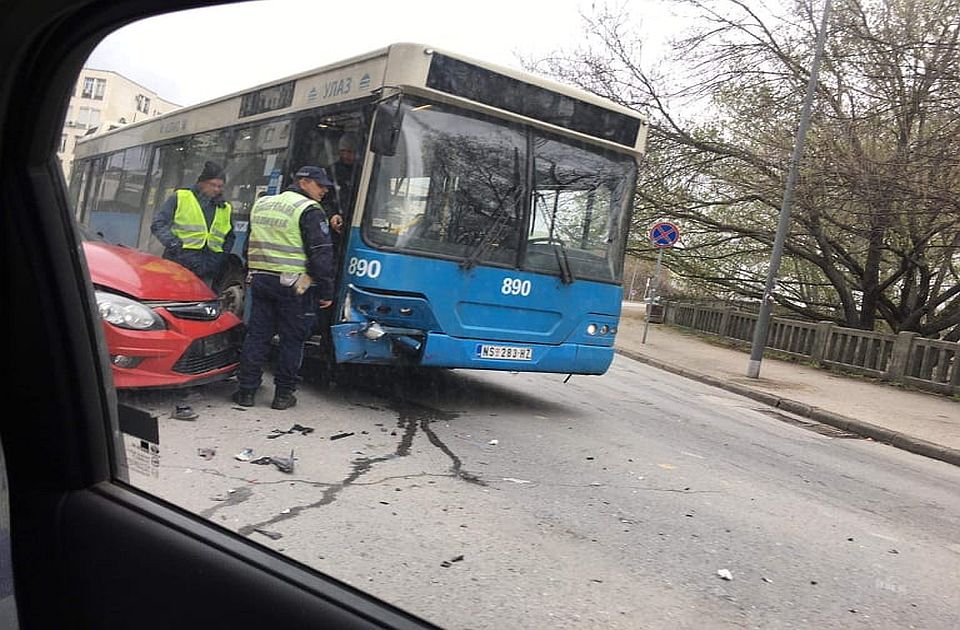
244,397
283,400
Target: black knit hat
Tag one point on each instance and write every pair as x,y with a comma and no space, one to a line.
211,170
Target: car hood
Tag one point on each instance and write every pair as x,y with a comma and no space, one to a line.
143,276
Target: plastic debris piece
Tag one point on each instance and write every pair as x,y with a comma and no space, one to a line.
767,580
514,480
262,461
725,574
245,455
595,484
183,412
493,442
340,436
297,428
285,511
206,453
269,534
449,563
283,464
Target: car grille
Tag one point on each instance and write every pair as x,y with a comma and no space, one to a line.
203,311
210,353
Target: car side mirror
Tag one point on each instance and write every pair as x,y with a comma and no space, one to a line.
386,127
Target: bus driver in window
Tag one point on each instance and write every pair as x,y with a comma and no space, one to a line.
195,225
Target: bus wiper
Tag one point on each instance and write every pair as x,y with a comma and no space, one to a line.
566,272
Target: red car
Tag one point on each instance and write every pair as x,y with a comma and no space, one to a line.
164,327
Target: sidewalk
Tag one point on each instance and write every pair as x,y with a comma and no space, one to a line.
922,423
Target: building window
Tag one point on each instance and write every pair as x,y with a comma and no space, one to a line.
63,143
143,104
94,88
88,117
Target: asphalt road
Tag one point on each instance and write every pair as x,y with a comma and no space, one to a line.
494,500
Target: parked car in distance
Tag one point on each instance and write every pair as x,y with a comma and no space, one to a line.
163,326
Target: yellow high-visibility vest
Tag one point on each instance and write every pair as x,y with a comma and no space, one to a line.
276,243
190,226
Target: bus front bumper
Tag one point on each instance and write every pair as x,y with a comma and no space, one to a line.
354,343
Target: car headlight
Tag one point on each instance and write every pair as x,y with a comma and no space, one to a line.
127,313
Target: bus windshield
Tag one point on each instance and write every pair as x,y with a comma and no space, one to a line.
457,184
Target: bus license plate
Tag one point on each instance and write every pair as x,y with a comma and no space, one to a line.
508,353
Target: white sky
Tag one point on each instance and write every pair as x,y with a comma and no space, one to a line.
193,56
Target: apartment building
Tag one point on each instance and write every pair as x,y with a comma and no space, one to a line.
105,99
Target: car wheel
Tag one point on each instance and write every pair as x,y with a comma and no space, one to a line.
231,293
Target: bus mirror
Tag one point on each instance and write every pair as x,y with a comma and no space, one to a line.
386,128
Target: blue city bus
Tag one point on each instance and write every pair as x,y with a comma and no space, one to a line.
486,210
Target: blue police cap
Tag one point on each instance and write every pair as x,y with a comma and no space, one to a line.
316,173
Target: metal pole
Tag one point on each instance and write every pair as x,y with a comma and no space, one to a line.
653,292
766,306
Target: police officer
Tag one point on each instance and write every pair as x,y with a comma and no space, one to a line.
195,225
289,249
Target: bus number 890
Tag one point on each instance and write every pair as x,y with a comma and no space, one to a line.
361,267
516,286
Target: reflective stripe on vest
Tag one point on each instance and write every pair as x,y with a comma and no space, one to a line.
276,243
190,226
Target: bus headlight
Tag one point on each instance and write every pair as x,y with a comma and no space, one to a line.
592,329
604,329
127,313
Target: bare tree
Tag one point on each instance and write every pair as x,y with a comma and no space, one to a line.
876,226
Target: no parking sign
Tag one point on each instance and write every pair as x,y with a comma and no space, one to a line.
664,234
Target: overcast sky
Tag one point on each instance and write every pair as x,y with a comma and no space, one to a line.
193,56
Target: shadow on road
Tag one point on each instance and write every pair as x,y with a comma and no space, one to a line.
428,387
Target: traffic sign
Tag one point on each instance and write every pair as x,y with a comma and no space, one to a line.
664,234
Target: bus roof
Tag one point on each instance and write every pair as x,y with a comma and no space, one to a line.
400,65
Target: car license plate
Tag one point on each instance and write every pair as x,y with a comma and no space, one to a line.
215,344
507,353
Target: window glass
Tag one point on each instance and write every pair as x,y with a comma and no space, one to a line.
118,207
453,188
578,210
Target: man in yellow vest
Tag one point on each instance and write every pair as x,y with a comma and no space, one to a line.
288,250
195,225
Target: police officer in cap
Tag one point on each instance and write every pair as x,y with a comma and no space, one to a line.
195,225
288,249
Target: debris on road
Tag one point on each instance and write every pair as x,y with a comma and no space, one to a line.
767,580
339,436
448,563
283,464
493,442
206,453
297,428
183,412
725,574
245,455
269,534
514,480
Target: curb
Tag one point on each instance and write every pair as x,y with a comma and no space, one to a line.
859,427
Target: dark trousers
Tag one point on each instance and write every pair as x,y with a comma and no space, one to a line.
275,309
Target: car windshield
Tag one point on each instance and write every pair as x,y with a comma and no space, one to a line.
457,184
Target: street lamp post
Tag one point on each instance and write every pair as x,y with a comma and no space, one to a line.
766,306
